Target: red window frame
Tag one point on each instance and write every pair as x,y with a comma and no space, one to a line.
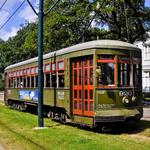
24,72
124,61
46,71
59,61
109,61
17,73
53,63
28,71
21,72
32,73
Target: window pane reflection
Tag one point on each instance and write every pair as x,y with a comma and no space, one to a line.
106,76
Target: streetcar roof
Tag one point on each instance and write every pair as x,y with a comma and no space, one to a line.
101,44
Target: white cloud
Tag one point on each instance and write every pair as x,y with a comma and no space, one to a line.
4,35
24,14
4,17
5,13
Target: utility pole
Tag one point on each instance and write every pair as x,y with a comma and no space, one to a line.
40,64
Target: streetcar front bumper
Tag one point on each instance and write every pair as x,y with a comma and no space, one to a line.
117,115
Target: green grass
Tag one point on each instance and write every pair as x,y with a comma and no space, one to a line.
17,133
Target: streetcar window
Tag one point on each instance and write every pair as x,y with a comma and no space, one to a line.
53,80
15,82
17,73
61,65
61,80
86,105
47,67
32,70
124,74
106,76
53,67
136,75
24,82
11,82
36,70
36,81
14,74
32,81
86,76
28,71
28,82
91,106
75,105
18,82
60,74
21,72
47,80
24,71
75,77
129,71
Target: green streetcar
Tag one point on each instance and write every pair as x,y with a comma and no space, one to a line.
88,83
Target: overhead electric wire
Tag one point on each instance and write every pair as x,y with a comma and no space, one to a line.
50,9
32,7
12,14
3,4
21,6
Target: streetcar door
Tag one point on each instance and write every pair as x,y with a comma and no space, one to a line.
82,86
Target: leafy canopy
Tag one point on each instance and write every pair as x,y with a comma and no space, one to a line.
75,21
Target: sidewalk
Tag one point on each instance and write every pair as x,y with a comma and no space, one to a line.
1,96
1,148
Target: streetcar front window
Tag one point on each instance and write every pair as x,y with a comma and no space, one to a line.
129,72
124,74
137,75
122,70
106,76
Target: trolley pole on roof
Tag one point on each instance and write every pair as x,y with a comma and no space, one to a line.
40,64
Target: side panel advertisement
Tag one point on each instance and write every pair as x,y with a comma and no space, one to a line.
31,95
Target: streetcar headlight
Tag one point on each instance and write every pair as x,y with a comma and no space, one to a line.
125,100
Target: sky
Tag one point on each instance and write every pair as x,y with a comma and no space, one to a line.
23,15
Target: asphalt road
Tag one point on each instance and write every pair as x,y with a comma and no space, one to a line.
146,115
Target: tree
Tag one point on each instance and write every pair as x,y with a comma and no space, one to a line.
70,22
127,20
65,25
5,55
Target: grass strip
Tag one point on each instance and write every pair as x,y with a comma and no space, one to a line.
16,132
